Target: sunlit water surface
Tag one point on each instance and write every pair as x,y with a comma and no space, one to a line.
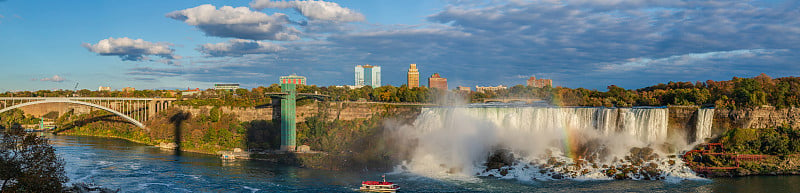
132,167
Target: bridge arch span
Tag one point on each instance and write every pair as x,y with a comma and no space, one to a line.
134,121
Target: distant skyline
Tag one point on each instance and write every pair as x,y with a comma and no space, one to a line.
577,43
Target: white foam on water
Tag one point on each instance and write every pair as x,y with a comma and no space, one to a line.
104,163
455,143
84,178
253,190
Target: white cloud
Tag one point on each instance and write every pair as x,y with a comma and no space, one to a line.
685,59
570,41
237,22
239,47
131,49
55,78
315,10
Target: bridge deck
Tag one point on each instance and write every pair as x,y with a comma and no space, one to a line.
89,98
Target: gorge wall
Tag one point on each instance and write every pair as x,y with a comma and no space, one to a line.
683,118
762,117
39,110
333,110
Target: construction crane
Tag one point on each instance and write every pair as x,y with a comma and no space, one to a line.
75,89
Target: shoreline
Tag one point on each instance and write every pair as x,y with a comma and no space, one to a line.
288,158
135,141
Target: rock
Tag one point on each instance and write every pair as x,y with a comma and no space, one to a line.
86,188
168,145
304,148
504,172
237,150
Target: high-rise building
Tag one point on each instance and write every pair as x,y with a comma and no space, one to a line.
436,81
368,75
539,83
413,76
293,79
128,89
104,88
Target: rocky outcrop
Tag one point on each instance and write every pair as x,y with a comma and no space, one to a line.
761,117
39,110
333,110
683,119
242,113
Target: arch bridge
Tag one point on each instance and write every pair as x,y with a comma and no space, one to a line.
134,110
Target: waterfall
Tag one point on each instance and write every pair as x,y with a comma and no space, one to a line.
459,140
647,125
705,117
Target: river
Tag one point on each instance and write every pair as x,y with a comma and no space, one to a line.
132,167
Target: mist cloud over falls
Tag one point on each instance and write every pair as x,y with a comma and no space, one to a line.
543,143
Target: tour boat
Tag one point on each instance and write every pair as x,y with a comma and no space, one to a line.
376,186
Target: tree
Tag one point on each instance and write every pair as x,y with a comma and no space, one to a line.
28,163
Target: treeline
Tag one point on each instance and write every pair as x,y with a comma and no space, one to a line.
16,116
735,93
259,96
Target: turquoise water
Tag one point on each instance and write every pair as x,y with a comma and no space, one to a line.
132,167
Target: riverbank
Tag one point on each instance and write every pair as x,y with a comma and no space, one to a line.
347,139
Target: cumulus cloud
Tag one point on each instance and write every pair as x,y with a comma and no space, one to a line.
55,78
237,22
576,43
315,10
239,47
132,50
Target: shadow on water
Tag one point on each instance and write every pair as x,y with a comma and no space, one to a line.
757,184
177,121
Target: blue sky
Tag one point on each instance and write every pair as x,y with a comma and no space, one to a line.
577,43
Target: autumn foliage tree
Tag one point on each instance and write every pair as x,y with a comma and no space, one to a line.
28,163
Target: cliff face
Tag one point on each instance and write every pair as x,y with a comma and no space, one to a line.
762,117
39,110
333,110
684,119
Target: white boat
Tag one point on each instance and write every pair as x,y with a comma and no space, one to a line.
377,186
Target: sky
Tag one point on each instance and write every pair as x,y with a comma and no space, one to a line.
147,44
